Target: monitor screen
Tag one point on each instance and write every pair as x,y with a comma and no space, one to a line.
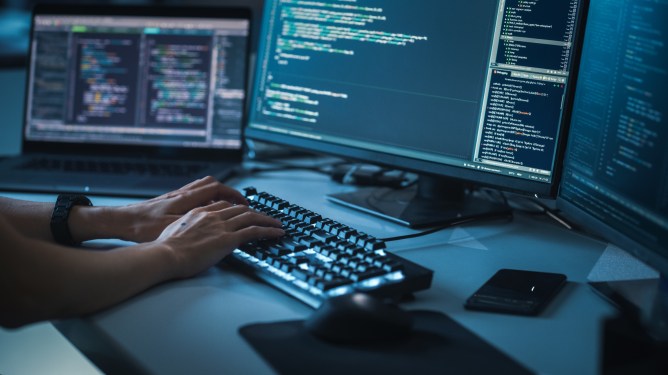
147,79
475,90
616,169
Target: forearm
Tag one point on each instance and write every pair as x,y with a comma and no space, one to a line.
28,218
50,281
89,223
33,219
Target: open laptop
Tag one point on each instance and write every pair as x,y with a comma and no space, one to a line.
133,101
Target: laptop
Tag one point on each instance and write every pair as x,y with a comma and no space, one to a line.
131,101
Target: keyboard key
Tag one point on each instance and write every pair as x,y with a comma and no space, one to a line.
297,260
311,242
279,205
354,250
335,228
353,263
301,274
276,262
346,272
279,250
339,244
261,254
323,249
301,214
249,191
367,274
331,284
363,266
312,218
392,265
345,233
361,239
344,259
336,254
322,235
293,246
301,226
372,258
327,225
286,268
374,245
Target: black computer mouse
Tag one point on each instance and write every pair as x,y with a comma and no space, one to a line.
359,318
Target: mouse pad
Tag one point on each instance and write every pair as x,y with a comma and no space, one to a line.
438,345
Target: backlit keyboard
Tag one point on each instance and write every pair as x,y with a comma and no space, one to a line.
320,258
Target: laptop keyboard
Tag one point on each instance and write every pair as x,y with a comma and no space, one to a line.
320,258
113,167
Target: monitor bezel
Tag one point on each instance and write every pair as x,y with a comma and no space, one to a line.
152,151
514,184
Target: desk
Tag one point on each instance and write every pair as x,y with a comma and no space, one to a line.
191,326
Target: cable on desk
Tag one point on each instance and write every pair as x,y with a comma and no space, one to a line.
444,226
425,232
543,209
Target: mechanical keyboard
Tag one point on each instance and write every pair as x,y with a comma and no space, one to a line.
320,258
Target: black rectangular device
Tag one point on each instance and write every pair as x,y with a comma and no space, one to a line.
516,292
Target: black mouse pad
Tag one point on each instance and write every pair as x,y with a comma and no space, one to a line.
438,345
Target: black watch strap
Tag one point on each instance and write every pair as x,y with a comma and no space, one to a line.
61,212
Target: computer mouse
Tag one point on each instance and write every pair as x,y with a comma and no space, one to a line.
358,318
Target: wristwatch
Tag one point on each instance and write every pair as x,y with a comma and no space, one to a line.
61,212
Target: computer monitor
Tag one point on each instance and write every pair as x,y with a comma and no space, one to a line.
461,92
615,180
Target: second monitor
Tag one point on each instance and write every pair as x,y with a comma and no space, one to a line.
459,92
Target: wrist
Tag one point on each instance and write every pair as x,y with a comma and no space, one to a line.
166,259
88,223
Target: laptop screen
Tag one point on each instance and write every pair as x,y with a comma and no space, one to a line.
137,80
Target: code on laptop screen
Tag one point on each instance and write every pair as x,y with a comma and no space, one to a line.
137,80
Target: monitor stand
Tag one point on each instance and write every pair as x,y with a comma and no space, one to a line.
434,201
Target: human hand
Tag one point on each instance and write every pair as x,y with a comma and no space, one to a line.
146,220
205,235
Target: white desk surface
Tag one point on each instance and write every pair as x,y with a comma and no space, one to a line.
40,349
191,326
